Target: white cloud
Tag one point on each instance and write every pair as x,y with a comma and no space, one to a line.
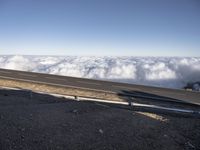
18,63
156,71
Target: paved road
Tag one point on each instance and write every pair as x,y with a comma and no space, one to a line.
106,86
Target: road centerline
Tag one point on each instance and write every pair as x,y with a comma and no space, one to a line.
29,75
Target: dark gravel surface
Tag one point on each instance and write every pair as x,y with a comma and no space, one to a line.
43,122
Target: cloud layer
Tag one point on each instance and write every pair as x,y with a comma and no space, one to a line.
168,72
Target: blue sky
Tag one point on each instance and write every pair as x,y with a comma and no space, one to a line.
100,27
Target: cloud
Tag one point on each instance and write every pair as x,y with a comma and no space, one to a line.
167,72
17,62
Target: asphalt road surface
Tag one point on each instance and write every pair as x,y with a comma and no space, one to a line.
99,85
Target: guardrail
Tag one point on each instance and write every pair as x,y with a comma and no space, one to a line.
104,96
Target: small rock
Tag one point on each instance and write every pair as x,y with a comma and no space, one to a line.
165,135
64,125
50,141
75,111
101,131
190,145
22,137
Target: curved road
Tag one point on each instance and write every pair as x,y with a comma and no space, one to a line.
105,86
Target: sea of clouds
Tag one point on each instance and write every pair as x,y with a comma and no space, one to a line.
170,72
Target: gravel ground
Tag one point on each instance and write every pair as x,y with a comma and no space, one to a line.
32,121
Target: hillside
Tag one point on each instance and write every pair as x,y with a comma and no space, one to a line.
36,121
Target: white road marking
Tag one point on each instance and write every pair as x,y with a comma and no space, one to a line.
53,78
85,82
29,75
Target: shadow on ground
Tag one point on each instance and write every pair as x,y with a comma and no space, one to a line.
131,96
34,121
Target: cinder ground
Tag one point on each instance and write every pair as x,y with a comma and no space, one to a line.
43,122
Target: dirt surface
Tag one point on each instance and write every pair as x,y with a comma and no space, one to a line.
32,121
